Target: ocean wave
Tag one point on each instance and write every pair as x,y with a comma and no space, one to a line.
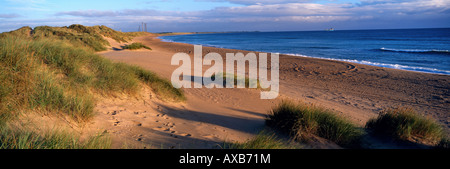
437,51
165,40
320,47
207,45
386,65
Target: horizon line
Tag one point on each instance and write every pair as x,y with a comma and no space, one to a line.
313,30
237,31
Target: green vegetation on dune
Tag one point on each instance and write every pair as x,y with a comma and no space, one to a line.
77,35
405,124
135,46
93,41
162,87
13,138
105,31
21,32
304,121
264,140
55,70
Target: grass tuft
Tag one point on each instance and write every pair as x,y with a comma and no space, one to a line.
28,139
405,124
49,95
303,121
263,140
162,87
135,46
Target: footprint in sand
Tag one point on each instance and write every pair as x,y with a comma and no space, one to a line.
116,123
210,136
171,125
172,133
161,129
163,116
139,124
113,113
139,137
160,109
185,135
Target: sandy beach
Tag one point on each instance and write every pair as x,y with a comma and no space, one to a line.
211,117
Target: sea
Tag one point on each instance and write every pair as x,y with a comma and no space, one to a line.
421,50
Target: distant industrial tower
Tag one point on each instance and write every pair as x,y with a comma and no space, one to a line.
144,27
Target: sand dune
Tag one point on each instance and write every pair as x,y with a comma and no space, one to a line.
212,116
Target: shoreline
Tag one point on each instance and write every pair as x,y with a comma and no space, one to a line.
370,63
350,67
355,91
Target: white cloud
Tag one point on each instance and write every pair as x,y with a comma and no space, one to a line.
290,9
376,9
259,2
5,16
302,14
30,5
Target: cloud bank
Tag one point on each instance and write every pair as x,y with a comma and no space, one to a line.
268,15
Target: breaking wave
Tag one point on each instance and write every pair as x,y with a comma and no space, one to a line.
436,51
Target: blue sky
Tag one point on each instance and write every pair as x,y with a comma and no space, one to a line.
227,15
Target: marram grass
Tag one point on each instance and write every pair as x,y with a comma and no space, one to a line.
54,139
135,46
263,140
302,121
56,70
55,75
405,124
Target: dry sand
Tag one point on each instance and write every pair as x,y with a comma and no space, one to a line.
211,116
